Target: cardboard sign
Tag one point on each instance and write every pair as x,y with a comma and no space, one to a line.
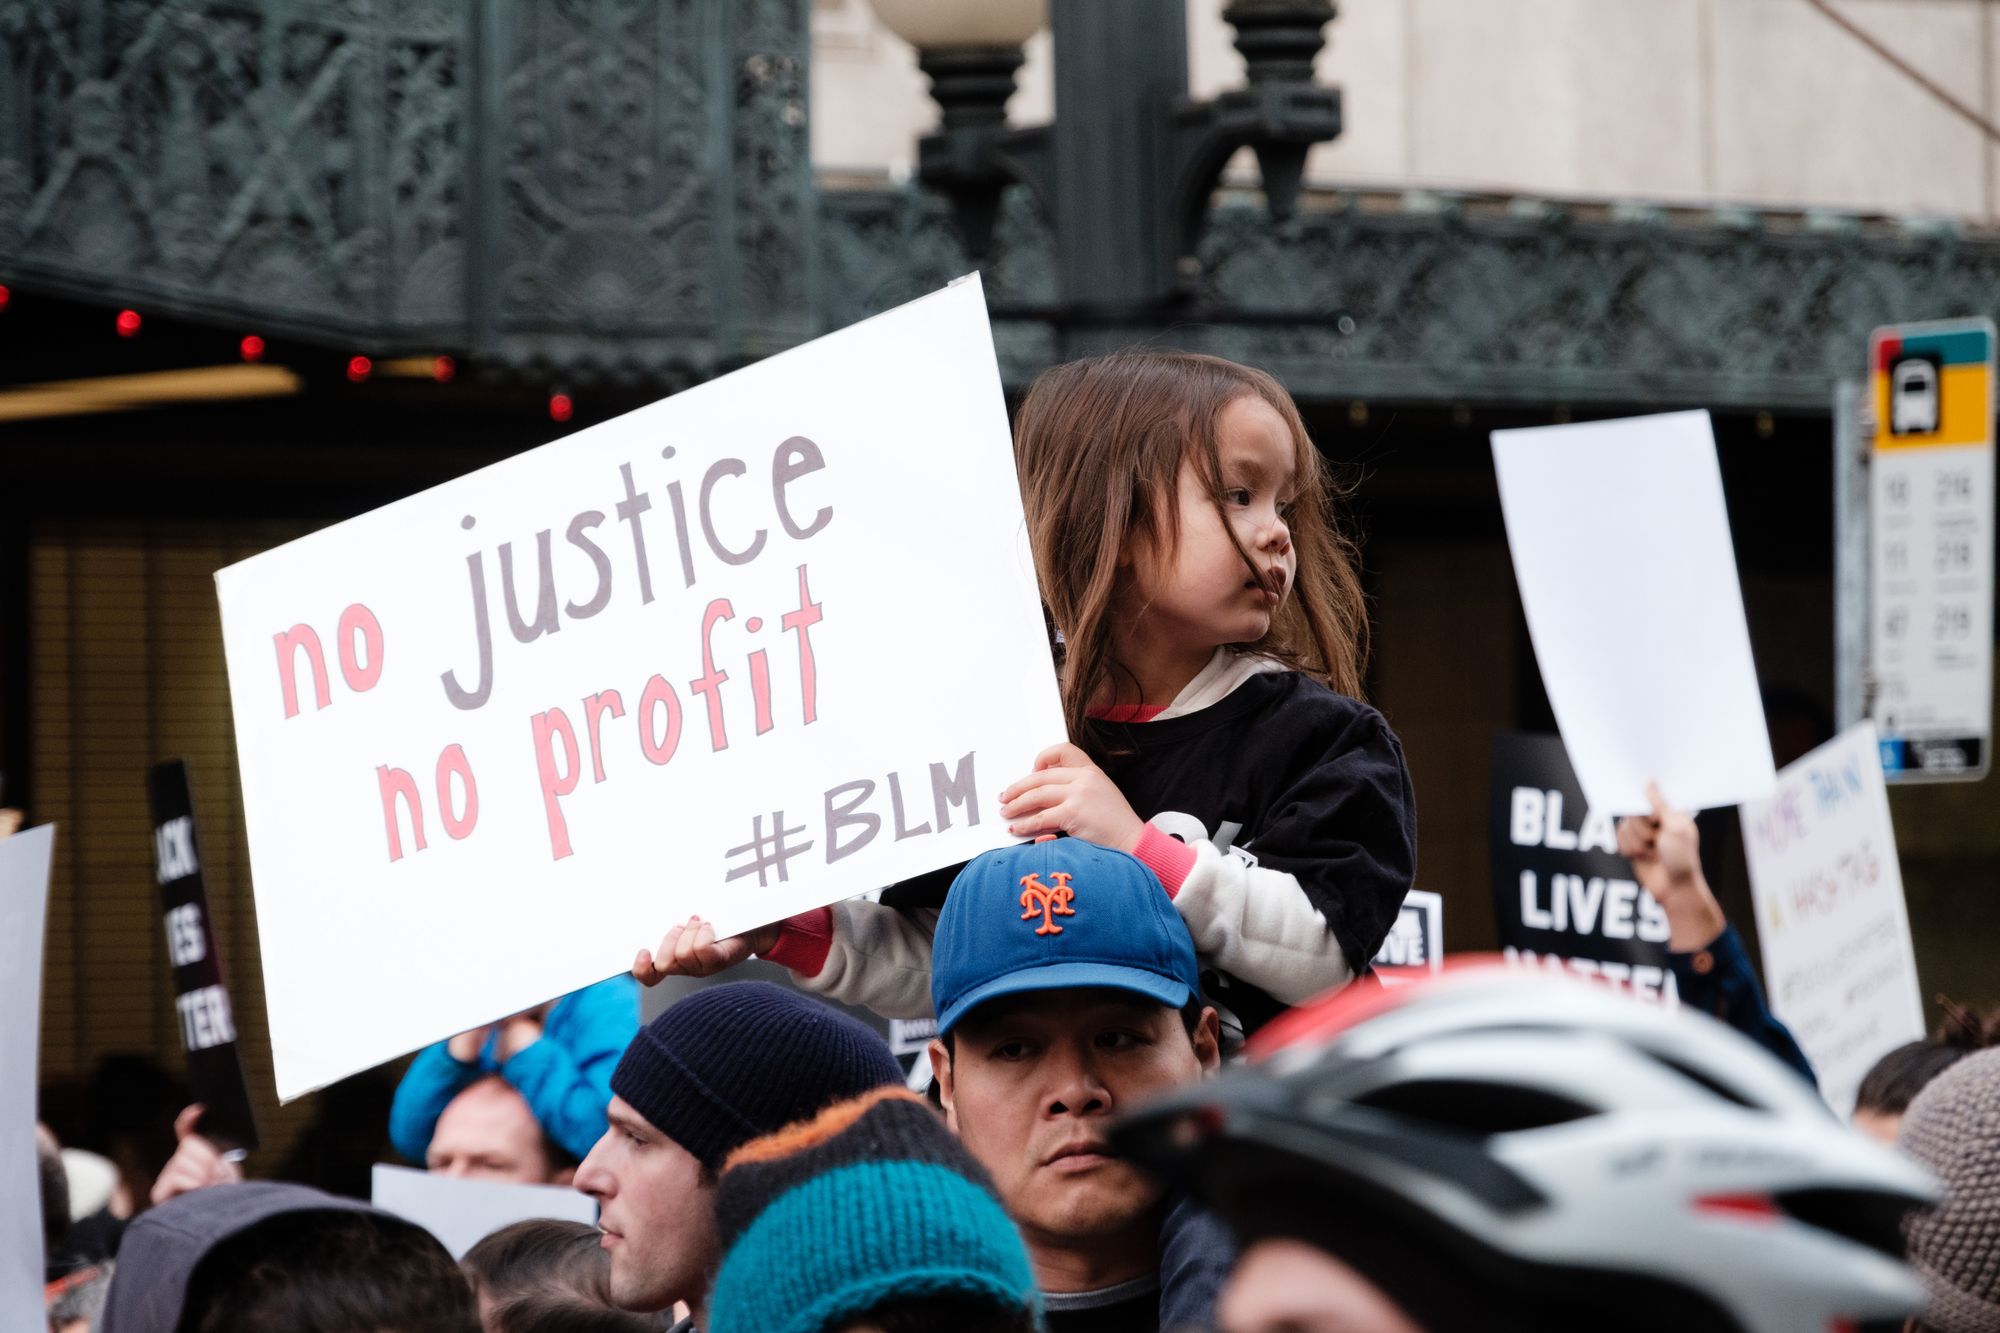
201,997
1562,896
757,647
25,859
1621,548
1414,946
462,1212
1830,914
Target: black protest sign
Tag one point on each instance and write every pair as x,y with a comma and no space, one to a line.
1414,946
208,1024
1562,896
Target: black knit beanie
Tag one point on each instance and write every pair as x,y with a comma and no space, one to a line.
730,1063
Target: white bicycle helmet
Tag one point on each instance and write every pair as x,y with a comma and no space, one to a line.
1501,1149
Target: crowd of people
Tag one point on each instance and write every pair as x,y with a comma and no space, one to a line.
1167,1092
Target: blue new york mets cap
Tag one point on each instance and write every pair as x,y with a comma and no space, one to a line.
1055,914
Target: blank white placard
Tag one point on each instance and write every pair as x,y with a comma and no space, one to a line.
1622,552
24,896
462,1212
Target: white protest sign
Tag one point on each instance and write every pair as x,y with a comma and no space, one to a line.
912,1037
757,647
1830,913
1414,946
909,1036
24,898
1621,548
461,1212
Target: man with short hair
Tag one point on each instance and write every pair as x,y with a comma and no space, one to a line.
722,1066
1066,991
488,1132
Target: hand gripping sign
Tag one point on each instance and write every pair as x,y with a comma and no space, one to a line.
765,644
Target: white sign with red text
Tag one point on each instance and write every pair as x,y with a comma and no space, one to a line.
1830,912
757,647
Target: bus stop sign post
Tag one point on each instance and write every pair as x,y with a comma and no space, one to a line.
1929,422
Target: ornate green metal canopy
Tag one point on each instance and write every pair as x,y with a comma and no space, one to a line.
621,191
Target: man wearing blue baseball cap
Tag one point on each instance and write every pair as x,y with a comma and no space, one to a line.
1066,990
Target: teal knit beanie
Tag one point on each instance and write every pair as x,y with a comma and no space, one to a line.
871,1204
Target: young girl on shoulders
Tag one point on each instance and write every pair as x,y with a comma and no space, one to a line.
1213,631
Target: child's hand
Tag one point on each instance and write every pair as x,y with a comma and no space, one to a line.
693,951
1067,793
1665,851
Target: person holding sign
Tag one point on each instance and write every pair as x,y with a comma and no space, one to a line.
197,1163
558,1056
1707,955
1213,633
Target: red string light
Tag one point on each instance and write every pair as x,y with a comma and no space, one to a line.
252,347
560,407
358,368
443,369
128,323
5,297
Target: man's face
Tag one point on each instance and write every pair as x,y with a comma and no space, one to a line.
1288,1286
488,1133
1032,1085
656,1208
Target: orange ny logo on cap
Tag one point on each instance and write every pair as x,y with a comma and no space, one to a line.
1050,902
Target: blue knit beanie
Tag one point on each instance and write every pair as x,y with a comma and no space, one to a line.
732,1062
870,1205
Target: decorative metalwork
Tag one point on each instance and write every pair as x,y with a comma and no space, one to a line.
1534,305
224,158
775,210
647,165
882,248
634,193
631,200
599,241
1442,302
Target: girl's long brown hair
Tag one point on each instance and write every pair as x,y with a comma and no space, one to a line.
1099,444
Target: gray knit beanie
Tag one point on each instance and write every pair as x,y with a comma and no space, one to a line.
1953,1127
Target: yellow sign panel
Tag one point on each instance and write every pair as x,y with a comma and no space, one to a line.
1931,385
